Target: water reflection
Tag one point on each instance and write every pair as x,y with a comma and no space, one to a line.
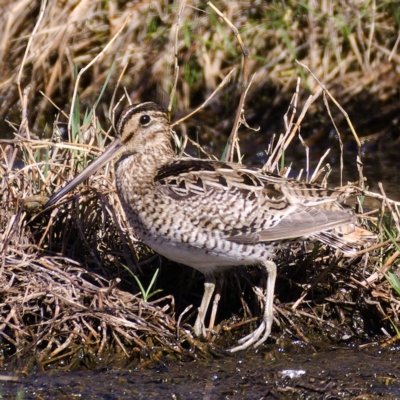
380,164
331,373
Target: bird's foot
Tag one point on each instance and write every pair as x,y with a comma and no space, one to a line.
262,331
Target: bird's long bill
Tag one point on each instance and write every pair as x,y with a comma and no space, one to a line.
111,152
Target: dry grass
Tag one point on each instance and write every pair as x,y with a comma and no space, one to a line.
60,268
352,48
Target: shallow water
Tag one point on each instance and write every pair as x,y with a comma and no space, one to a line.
329,374
379,165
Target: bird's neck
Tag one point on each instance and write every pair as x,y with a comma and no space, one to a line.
138,170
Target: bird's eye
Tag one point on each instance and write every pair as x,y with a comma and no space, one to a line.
144,119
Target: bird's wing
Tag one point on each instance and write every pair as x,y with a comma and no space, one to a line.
250,205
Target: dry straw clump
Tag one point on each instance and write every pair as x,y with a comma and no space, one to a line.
58,310
66,293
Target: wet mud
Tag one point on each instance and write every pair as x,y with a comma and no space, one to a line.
330,374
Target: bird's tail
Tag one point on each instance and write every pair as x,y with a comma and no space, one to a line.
348,238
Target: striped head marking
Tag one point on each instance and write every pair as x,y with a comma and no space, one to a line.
141,125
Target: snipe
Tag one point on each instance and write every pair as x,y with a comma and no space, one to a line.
214,215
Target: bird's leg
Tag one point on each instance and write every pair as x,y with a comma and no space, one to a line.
217,298
264,329
209,285
269,300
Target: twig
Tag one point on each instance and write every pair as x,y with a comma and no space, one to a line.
288,127
54,104
28,46
371,33
115,107
111,110
338,136
288,137
359,162
377,196
245,75
84,69
307,158
242,121
293,102
393,52
178,323
395,217
315,174
176,66
227,77
24,127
